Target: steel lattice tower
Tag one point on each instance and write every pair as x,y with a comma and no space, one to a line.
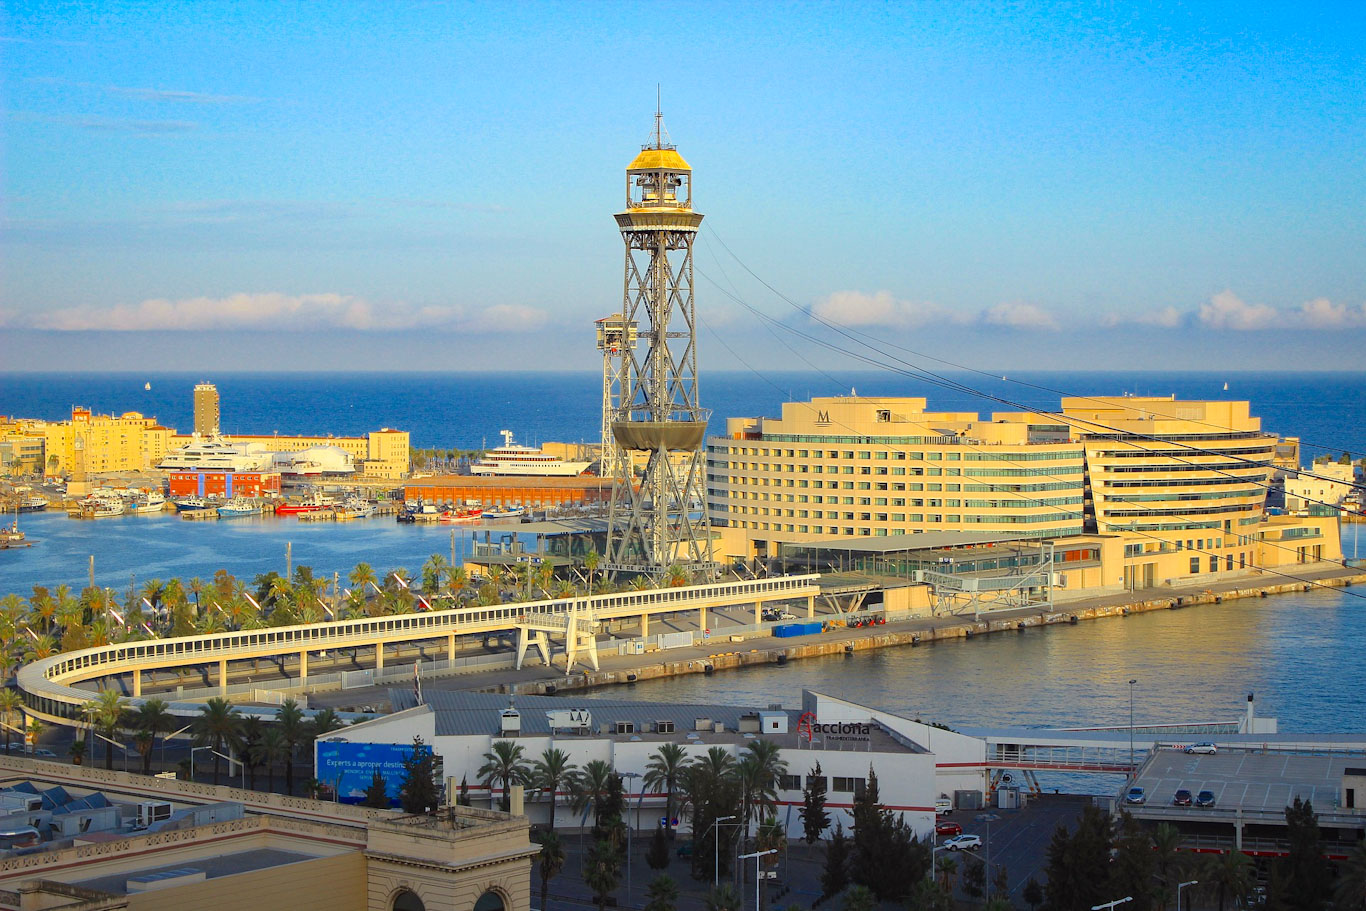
615,337
651,526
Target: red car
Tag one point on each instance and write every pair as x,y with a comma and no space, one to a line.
948,828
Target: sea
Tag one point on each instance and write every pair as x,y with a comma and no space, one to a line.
1297,652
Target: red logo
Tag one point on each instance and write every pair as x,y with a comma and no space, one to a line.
805,724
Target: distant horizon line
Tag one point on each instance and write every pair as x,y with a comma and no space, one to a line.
726,370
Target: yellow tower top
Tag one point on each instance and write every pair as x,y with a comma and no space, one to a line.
659,177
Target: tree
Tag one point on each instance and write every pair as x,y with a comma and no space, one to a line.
152,718
11,707
723,898
836,874
1308,873
418,790
711,788
815,819
928,895
504,764
588,787
105,714
253,730
602,870
1350,892
973,877
462,797
217,726
1134,865
551,773
376,793
760,769
289,720
858,899
657,855
77,751
552,859
886,855
662,773
1167,859
662,893
1078,866
1032,893
1227,875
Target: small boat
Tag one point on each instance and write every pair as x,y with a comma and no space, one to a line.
354,508
100,507
312,502
32,504
419,512
460,516
11,536
506,512
147,386
191,504
152,501
237,507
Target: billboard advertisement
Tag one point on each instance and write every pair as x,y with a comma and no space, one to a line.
349,767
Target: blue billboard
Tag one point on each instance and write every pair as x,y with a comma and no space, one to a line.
349,767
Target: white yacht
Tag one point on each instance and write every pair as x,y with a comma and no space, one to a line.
514,459
217,454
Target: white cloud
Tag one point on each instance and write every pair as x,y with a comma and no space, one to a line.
274,311
857,308
1321,313
1226,310
1019,315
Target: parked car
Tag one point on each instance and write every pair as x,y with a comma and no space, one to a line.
942,806
963,842
1205,749
948,828
1136,795
1204,799
1182,798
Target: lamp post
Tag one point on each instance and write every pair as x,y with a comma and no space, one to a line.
121,746
1179,887
629,829
756,855
1109,906
986,818
716,848
1131,728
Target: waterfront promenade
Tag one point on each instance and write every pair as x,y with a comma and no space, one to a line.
720,654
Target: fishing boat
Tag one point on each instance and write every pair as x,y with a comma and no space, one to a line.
152,501
32,504
354,508
238,507
505,512
460,516
100,507
11,536
312,502
419,512
191,504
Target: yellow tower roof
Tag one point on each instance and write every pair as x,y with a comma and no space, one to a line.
658,159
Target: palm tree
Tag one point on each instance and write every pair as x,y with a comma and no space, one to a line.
433,571
153,717
217,726
289,720
1228,874
506,765
589,786
1350,891
722,898
552,859
945,867
549,773
662,773
662,894
1166,846
760,769
271,750
10,703
590,563
105,713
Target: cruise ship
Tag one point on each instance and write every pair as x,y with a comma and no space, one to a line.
217,454
514,459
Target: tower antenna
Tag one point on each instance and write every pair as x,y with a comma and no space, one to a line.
659,116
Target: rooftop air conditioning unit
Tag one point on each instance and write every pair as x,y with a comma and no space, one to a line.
150,811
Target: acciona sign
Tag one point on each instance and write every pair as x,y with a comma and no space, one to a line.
808,727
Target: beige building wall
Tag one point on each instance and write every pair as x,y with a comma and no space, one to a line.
321,884
1331,484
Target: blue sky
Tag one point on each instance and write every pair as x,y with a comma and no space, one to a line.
399,186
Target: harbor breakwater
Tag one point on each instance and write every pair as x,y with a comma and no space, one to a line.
914,632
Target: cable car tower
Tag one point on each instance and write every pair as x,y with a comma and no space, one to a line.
652,526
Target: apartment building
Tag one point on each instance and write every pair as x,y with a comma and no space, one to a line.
125,442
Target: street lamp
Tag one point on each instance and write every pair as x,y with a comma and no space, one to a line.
629,829
1179,887
986,818
1131,726
716,848
1109,906
756,855
213,752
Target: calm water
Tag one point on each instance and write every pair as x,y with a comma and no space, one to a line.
1299,653
467,410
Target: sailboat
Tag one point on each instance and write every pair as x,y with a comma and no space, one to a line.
147,386
1226,387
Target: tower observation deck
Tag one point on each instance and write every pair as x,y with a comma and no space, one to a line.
661,522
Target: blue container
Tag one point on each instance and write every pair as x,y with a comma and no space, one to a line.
788,630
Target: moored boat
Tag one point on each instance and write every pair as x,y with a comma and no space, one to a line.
32,504
460,516
191,504
514,459
312,502
237,507
505,512
100,507
152,501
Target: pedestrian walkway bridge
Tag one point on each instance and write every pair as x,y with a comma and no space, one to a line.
49,691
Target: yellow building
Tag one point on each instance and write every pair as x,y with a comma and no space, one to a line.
22,445
1181,485
861,466
127,442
